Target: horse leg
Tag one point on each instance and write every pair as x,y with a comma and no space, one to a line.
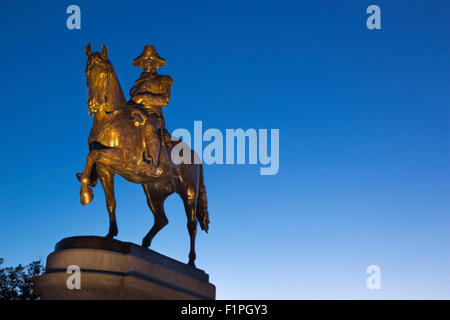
156,205
107,181
110,156
190,205
93,177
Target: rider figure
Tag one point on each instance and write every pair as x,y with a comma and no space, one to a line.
151,92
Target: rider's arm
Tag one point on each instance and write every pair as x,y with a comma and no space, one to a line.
160,99
152,99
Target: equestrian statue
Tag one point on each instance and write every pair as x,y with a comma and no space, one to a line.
130,139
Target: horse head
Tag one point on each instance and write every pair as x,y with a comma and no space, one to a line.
103,88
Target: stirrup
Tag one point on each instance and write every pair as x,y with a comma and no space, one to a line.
150,169
153,171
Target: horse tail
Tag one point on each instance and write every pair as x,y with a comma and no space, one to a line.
202,203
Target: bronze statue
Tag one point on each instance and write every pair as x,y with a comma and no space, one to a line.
130,139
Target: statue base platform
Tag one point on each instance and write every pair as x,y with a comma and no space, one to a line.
112,269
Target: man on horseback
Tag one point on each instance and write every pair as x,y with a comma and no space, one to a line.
150,93
115,143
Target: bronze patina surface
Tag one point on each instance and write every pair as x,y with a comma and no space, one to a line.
130,139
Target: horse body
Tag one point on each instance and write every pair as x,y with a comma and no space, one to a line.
117,146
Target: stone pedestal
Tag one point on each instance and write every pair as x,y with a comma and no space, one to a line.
112,269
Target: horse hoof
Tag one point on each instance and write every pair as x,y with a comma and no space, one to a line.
113,231
145,243
86,197
191,263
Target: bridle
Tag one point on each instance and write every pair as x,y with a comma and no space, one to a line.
107,68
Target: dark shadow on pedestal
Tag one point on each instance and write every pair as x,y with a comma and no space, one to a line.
112,269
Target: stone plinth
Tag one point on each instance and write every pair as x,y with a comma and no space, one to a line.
112,269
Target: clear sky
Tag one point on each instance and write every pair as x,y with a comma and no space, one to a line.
364,138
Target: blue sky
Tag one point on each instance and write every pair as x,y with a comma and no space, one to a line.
364,138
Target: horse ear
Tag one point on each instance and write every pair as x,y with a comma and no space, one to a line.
88,49
104,51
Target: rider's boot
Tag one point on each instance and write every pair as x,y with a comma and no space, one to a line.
152,149
151,166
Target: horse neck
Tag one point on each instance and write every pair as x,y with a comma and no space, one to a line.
115,99
114,95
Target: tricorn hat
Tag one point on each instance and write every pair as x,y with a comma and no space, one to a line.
149,52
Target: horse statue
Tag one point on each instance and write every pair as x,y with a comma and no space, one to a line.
117,146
